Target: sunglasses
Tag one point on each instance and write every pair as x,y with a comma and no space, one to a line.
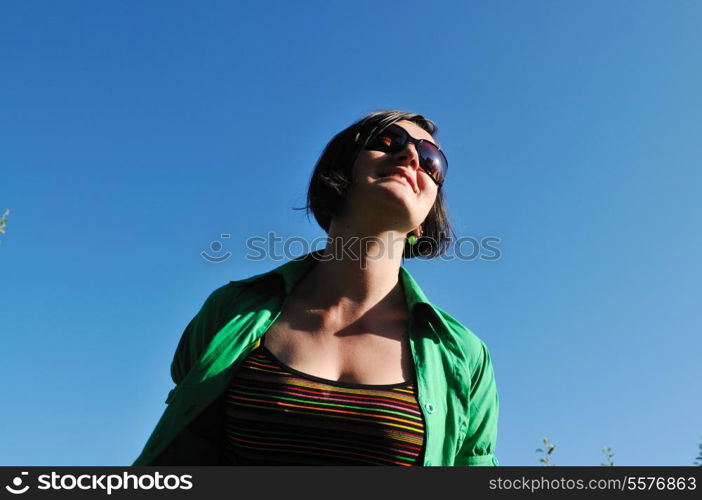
395,138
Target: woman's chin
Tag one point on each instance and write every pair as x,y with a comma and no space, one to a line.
389,198
397,193
394,180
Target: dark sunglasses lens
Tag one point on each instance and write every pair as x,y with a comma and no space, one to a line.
391,139
433,160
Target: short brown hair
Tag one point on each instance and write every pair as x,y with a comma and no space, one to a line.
332,176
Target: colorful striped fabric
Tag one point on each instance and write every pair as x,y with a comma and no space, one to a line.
276,415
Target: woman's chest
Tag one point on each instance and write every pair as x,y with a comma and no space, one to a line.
349,354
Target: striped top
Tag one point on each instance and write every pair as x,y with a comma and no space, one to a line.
275,415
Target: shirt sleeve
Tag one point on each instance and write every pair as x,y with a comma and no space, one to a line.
199,332
180,364
478,447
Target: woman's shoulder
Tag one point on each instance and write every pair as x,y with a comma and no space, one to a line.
233,289
218,309
473,347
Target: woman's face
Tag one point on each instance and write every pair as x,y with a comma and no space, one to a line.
393,185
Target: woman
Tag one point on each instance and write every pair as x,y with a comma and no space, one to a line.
339,358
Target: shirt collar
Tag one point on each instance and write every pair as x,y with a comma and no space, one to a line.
292,271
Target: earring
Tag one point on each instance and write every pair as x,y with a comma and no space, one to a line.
413,238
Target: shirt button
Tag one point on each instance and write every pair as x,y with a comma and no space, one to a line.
429,407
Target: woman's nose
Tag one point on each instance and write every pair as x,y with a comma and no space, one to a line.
408,156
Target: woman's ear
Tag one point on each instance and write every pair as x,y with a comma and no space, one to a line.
417,231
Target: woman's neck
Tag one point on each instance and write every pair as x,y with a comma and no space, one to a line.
356,272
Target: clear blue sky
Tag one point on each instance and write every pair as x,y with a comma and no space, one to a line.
133,134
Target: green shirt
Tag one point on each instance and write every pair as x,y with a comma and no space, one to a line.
455,380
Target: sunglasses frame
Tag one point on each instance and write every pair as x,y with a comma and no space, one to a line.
417,143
